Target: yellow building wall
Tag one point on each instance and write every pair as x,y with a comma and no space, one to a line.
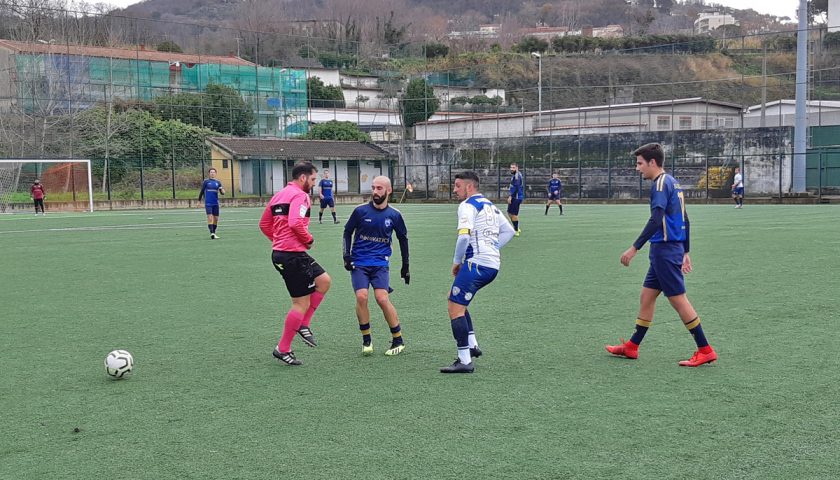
224,170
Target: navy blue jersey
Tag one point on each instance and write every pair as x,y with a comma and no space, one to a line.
326,187
210,191
666,193
370,229
554,185
517,186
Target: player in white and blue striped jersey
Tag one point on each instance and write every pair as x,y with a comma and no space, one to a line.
482,231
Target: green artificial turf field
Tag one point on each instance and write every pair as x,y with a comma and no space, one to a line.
546,401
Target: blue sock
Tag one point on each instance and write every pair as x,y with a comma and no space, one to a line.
642,326
210,227
516,225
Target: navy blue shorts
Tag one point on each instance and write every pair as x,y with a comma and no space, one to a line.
555,196
327,202
470,279
212,210
738,191
665,272
377,277
513,206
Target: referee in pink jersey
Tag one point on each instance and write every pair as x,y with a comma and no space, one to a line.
285,222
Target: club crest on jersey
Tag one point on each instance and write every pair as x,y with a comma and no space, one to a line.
387,222
302,211
456,291
468,296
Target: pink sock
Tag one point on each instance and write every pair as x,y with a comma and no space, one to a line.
314,301
290,328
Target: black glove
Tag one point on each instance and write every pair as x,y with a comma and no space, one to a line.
348,263
404,274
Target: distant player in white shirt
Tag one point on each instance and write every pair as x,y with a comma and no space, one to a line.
738,188
482,231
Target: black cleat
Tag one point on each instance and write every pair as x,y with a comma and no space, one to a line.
306,334
475,352
335,221
458,367
286,357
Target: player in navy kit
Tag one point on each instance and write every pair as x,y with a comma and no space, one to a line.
210,190
517,194
555,190
325,193
668,233
367,251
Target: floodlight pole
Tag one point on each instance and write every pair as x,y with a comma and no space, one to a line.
538,56
800,129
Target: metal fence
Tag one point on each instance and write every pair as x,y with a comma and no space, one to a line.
700,177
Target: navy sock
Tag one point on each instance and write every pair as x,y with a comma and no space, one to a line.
365,333
210,227
461,332
642,326
333,214
396,335
696,331
320,216
213,228
516,225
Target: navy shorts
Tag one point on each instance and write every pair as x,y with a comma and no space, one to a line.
738,191
327,202
212,210
555,196
513,206
665,272
377,277
470,279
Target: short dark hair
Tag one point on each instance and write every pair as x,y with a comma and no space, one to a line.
514,164
651,151
213,169
303,168
469,176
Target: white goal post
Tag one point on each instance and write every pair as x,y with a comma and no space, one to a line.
59,177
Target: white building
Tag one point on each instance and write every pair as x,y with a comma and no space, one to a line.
708,21
782,113
659,116
834,15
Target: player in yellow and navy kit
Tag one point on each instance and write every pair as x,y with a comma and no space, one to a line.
367,252
482,231
325,194
555,190
210,190
668,232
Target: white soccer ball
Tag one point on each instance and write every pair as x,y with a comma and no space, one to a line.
119,364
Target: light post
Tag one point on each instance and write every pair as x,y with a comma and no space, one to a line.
538,56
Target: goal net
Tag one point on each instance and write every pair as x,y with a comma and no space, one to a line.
66,184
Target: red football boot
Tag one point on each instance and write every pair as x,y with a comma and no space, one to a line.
700,358
625,349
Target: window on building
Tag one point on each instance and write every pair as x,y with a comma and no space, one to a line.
685,123
325,164
707,123
224,163
726,122
663,122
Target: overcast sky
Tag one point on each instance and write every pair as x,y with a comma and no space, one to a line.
780,8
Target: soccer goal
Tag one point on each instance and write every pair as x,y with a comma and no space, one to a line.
67,184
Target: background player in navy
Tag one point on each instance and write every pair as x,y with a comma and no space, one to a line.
325,193
370,228
210,190
668,232
555,190
517,194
